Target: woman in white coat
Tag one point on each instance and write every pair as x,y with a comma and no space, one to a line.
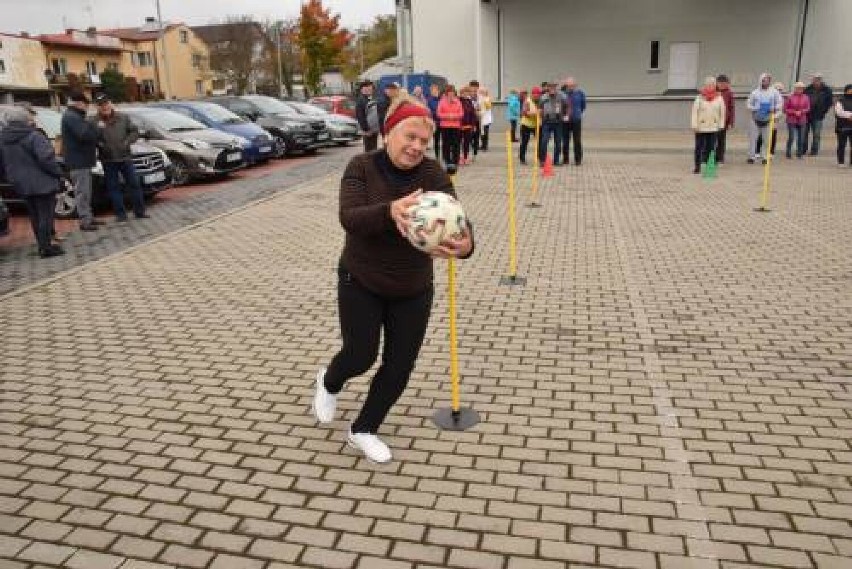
487,117
708,118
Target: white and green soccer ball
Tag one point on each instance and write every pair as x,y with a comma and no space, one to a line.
436,218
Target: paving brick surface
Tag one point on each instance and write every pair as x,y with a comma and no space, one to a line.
670,389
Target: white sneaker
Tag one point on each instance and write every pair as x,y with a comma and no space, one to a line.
372,447
325,403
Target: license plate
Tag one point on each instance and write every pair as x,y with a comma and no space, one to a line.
322,136
154,178
265,149
234,157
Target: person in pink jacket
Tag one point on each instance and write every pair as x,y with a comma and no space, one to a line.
450,114
796,109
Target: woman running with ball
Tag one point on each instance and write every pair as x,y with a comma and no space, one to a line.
384,283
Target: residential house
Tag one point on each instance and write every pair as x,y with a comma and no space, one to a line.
22,67
174,66
240,55
74,60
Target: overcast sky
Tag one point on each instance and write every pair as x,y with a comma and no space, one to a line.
52,16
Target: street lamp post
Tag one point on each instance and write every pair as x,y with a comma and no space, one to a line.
168,91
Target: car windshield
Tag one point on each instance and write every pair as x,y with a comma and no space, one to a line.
217,113
167,120
308,109
50,121
271,106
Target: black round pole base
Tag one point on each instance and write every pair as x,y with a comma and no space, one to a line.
461,420
513,280
534,204
762,209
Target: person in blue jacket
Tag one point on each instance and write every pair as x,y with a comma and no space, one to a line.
573,128
30,165
513,112
432,100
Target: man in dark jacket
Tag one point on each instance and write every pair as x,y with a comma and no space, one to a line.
552,108
573,127
366,112
821,100
79,149
30,165
116,132
390,92
723,84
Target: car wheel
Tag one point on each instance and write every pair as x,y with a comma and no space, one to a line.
180,171
281,146
66,203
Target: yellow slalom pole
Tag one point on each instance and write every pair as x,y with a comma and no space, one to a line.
534,201
454,351
513,235
767,145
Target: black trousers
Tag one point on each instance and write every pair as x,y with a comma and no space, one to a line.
844,138
773,144
721,144
364,316
42,210
436,142
484,137
526,134
371,142
451,142
704,143
475,134
572,129
514,129
468,138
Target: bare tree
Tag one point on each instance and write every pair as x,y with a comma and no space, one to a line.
239,49
283,34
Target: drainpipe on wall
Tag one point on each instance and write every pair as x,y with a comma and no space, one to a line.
477,18
800,40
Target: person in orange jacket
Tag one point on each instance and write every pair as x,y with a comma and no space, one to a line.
450,113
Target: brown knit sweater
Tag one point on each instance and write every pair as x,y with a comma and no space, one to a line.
375,253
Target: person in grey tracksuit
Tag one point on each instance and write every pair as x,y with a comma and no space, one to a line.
763,103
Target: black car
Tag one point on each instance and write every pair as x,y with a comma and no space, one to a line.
292,131
152,166
4,219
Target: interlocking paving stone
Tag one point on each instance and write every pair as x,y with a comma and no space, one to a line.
670,390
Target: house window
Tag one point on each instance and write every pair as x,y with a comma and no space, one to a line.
112,66
147,86
144,58
196,60
2,66
655,56
91,68
59,66
184,36
199,87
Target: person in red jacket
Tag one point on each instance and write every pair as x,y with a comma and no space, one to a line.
796,109
723,85
450,113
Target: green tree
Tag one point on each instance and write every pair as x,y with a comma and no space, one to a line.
114,85
373,44
322,42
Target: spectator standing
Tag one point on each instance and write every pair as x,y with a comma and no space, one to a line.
432,101
469,126
821,98
708,118
552,110
513,113
79,150
843,124
367,114
762,103
529,121
473,93
723,85
29,162
450,113
116,132
573,128
796,109
487,117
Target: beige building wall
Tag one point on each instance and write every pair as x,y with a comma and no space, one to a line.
23,63
188,74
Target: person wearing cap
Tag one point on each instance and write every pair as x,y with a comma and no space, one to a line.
796,109
79,150
367,114
723,85
843,124
29,162
529,121
116,132
821,98
384,285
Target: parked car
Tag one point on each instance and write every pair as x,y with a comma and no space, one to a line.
260,146
4,219
292,132
152,165
196,151
336,104
341,129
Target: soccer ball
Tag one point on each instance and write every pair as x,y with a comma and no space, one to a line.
436,218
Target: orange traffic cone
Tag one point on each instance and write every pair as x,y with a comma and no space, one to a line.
547,171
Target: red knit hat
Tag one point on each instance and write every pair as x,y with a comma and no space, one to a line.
405,111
